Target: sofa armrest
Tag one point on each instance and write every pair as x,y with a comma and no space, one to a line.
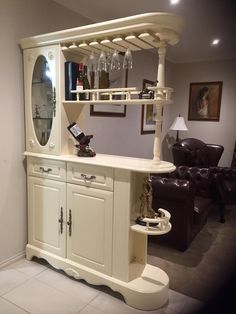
227,173
201,178
225,178
214,154
174,195
177,197
177,189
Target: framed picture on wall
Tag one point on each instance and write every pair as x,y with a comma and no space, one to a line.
148,116
205,101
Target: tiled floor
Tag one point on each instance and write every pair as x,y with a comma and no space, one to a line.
34,287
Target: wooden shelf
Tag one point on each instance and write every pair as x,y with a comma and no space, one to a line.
118,102
162,96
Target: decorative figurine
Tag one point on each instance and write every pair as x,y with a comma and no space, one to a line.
146,210
84,150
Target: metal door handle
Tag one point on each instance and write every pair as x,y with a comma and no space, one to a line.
61,220
69,222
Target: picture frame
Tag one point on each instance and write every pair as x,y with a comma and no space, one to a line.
148,115
205,101
111,79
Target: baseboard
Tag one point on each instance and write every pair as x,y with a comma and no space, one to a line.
12,259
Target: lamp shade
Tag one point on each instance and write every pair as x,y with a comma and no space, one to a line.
179,124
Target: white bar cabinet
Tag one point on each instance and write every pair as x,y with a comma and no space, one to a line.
82,211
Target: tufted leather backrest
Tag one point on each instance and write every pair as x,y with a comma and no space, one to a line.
201,178
194,152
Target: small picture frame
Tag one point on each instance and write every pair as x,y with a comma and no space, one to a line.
148,116
205,101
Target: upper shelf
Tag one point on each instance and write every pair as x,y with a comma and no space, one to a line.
143,31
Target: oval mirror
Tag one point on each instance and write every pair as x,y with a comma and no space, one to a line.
42,100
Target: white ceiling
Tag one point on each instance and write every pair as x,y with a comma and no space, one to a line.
204,20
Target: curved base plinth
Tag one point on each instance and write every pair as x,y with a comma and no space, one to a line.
147,290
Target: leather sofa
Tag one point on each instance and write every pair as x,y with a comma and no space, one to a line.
226,186
187,194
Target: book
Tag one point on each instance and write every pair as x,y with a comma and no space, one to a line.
71,75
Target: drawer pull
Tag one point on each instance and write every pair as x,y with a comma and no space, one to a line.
45,170
87,178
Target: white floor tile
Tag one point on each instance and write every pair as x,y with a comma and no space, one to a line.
68,285
50,291
29,268
10,278
38,298
90,310
9,308
110,305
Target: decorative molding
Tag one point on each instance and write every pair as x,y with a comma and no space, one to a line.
72,273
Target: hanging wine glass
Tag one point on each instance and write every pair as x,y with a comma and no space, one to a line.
127,62
92,68
108,60
92,62
102,62
115,61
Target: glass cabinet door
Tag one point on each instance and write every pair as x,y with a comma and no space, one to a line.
42,107
42,100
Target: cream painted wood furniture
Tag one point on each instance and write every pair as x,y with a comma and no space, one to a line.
82,211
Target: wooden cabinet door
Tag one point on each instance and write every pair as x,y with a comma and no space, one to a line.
89,242
47,215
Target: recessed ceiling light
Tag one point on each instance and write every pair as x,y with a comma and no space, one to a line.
173,2
215,42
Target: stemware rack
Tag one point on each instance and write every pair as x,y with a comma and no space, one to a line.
140,32
144,31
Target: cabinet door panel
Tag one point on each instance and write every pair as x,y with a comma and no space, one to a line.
90,242
47,201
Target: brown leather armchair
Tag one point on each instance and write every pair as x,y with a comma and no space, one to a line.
187,194
194,152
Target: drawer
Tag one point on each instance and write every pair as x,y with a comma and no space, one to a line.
46,168
90,175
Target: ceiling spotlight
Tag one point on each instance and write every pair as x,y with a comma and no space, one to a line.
173,2
215,42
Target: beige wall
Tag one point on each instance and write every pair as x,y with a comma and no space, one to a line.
219,132
19,18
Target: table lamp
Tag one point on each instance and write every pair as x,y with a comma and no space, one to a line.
178,125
